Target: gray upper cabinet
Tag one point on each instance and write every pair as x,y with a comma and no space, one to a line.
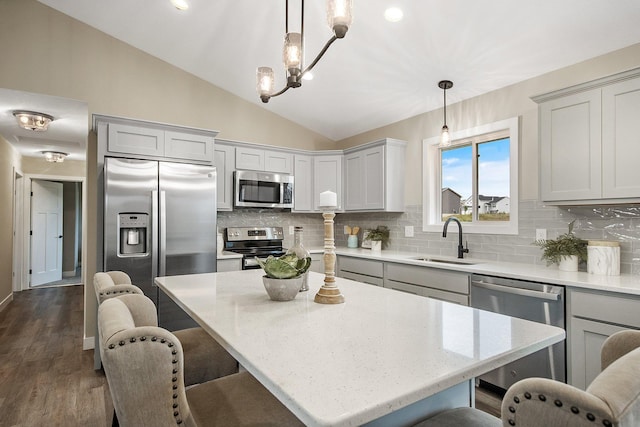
224,161
248,158
589,141
374,176
303,183
327,176
151,140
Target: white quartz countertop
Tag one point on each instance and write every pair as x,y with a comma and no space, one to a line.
625,283
228,255
348,364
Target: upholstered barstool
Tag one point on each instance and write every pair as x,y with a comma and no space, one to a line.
612,398
144,368
204,358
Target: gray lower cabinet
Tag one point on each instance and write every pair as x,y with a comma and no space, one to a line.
361,270
445,285
317,263
229,264
592,317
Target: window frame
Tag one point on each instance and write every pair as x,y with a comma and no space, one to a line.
432,177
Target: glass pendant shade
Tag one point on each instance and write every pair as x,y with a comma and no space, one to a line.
292,52
339,16
264,80
445,138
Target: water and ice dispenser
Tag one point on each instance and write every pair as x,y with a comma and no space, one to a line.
133,231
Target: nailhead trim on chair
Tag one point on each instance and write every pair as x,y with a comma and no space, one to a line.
174,379
119,291
557,402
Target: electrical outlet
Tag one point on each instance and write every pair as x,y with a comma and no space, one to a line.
408,231
291,229
541,234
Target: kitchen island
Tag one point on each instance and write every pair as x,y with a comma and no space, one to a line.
382,357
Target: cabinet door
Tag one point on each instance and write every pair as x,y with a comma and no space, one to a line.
587,337
353,181
317,263
327,176
179,145
570,147
224,161
249,159
278,162
621,139
303,183
373,162
233,264
135,140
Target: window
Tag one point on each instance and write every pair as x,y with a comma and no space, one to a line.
474,179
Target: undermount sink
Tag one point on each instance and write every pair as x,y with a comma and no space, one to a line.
445,261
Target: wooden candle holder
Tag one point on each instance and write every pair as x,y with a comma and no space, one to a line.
329,292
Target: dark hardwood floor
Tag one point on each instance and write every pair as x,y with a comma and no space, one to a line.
46,379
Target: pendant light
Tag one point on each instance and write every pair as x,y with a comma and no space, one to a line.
445,138
339,17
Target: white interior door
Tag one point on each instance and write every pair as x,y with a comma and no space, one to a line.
46,229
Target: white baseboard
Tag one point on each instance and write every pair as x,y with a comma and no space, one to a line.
88,343
5,302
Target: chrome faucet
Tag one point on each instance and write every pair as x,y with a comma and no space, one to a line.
461,249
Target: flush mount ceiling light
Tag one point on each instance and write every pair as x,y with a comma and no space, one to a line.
54,156
180,4
339,17
393,14
32,120
445,138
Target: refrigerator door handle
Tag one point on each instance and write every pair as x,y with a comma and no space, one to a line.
154,235
163,234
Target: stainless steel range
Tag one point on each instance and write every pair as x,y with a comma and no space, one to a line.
254,242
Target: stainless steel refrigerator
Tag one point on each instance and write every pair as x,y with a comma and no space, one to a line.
159,220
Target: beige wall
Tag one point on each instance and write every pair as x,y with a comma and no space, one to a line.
38,166
9,162
497,105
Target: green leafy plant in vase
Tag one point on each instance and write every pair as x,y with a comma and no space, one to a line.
284,275
566,250
378,234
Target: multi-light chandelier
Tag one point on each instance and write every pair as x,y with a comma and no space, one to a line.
339,17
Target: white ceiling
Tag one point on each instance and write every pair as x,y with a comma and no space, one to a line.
381,72
66,133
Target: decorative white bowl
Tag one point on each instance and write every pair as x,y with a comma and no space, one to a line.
282,289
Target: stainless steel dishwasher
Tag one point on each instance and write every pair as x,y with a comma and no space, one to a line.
533,301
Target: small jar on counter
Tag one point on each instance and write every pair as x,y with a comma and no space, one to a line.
603,257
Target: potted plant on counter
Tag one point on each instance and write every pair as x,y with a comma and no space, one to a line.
566,250
378,236
284,275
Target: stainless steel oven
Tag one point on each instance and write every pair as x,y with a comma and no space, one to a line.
263,190
534,301
254,242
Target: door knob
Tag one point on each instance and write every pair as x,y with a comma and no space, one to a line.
60,237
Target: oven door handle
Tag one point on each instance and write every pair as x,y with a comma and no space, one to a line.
550,296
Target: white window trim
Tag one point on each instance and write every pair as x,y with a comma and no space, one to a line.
431,180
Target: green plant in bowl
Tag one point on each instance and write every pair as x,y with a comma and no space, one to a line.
285,267
380,233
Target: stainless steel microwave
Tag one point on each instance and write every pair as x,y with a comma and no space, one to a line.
263,190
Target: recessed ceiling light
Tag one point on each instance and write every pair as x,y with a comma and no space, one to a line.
180,4
393,14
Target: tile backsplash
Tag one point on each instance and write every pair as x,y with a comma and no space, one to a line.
621,223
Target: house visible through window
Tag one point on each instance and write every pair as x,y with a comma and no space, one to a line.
474,180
